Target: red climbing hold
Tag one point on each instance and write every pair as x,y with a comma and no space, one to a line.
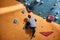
50,17
46,33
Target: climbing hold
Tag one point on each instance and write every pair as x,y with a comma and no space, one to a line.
26,3
46,33
44,17
55,4
41,3
38,1
52,8
15,21
23,11
29,8
39,13
57,13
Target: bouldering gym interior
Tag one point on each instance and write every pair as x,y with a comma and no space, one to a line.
14,14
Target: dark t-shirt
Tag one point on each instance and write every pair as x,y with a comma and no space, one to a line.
27,24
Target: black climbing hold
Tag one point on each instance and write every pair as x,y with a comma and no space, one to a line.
15,21
55,4
57,13
29,8
52,8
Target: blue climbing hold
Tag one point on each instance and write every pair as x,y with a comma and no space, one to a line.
15,21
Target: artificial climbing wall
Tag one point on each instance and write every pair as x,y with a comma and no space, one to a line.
10,30
44,8
47,7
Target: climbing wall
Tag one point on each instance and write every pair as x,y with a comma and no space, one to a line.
12,24
45,7
56,9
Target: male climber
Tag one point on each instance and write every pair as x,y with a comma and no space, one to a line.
32,22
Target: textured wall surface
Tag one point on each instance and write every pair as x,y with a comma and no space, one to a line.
10,30
48,7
